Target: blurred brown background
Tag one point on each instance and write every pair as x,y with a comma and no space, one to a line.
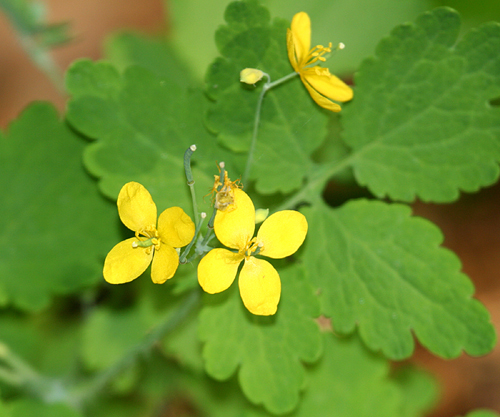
471,226
91,20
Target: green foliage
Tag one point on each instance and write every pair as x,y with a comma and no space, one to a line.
420,391
28,408
482,413
290,128
56,210
335,21
29,18
382,270
334,384
267,350
421,124
143,123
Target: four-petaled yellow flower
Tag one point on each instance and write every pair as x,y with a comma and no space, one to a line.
279,236
130,258
322,85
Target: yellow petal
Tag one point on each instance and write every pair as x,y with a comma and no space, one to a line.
319,99
282,233
165,263
290,46
301,30
125,263
260,287
328,85
136,207
217,270
234,228
175,227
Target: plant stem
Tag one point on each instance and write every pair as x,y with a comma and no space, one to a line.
267,86
27,22
167,325
182,258
190,179
317,180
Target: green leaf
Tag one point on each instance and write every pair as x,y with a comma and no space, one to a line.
420,124
291,125
4,410
109,335
266,351
30,407
483,413
51,213
46,341
153,53
383,270
349,381
193,22
420,391
143,123
359,25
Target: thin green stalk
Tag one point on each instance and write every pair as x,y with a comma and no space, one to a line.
182,258
31,28
267,86
167,325
210,228
10,378
18,366
318,180
190,179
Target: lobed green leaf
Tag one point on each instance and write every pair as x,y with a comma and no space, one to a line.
266,351
348,381
51,213
142,124
421,124
291,125
380,269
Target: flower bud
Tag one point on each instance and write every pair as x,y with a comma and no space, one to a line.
251,75
261,215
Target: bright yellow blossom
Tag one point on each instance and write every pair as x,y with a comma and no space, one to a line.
130,258
322,85
279,236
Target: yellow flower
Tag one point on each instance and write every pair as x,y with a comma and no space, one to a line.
279,236
322,85
130,258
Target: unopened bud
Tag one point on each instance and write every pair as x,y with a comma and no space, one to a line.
261,215
251,75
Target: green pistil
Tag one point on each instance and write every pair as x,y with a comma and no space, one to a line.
145,243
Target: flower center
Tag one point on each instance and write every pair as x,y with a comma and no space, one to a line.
147,238
316,54
252,248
